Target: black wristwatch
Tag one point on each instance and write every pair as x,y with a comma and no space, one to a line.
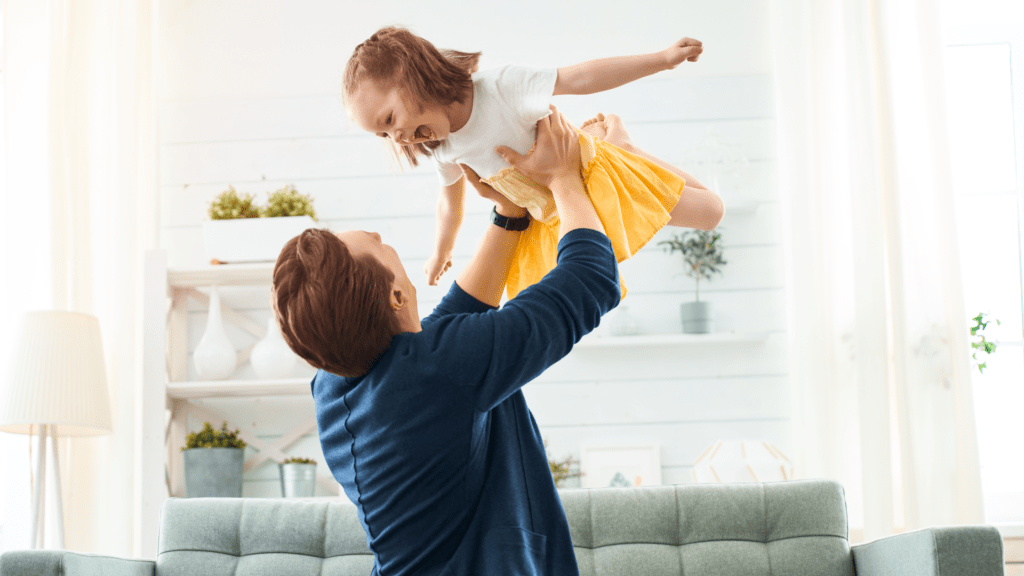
513,224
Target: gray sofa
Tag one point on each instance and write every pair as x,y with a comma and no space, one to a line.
796,527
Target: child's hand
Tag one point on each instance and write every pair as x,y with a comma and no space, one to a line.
435,267
686,50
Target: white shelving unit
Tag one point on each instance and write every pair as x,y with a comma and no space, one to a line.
647,340
167,389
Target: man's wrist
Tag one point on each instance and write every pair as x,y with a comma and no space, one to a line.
510,211
510,224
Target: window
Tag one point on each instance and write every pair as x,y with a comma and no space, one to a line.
989,202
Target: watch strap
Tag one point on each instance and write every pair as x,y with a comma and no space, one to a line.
513,224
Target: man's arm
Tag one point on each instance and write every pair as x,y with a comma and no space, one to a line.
500,351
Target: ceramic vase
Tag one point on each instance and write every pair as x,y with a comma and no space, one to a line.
696,317
271,357
214,357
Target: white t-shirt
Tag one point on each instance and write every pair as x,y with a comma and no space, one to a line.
507,103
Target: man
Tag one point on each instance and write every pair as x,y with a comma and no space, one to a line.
423,422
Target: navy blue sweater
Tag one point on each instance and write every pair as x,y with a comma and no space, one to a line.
435,445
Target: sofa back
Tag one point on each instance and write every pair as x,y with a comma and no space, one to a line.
796,527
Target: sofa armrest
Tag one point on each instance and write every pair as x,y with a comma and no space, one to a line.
949,551
64,563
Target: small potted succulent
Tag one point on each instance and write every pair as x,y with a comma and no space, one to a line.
702,257
214,463
239,230
298,478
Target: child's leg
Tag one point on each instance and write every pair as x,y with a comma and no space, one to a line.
698,207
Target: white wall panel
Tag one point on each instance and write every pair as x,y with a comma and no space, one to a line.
364,154
250,97
246,48
653,99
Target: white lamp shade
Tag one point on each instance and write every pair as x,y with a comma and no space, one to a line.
56,376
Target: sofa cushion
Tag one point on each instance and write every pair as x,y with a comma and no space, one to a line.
796,527
255,537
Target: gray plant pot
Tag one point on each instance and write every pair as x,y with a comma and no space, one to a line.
696,317
214,472
298,480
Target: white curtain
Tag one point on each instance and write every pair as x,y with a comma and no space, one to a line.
879,337
95,173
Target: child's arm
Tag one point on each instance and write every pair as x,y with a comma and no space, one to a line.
449,219
606,73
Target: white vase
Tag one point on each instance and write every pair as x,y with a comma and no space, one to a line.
214,357
271,357
623,323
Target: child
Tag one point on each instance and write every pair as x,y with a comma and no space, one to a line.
430,103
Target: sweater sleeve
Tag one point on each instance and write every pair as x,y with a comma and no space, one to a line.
456,301
495,353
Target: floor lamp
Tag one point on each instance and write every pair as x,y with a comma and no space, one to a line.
56,385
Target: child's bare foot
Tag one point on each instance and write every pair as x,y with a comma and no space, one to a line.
595,126
615,132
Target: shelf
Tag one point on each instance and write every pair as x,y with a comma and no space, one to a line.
673,339
222,275
238,388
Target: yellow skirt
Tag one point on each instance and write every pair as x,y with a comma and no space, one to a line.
631,195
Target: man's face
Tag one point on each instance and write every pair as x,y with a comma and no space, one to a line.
361,243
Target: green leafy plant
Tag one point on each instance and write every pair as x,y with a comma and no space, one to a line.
210,438
701,252
288,202
229,205
562,470
978,341
295,460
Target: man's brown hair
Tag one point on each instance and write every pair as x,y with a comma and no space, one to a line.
395,56
333,308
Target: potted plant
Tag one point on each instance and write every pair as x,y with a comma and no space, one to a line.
702,257
239,230
298,478
213,463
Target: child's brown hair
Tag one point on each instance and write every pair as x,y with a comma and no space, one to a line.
394,55
333,308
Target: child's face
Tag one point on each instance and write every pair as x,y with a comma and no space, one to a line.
393,113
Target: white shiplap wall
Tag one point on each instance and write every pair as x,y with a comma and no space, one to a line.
249,97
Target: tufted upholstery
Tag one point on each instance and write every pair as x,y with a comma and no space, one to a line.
729,529
250,536
786,528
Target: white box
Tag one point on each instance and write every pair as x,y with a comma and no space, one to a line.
251,239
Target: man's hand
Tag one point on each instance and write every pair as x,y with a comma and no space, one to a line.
556,154
685,50
503,205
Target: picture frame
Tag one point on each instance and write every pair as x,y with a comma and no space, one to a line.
622,465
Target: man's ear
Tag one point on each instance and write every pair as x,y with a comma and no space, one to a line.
398,299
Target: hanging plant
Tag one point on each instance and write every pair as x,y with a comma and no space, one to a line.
978,341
